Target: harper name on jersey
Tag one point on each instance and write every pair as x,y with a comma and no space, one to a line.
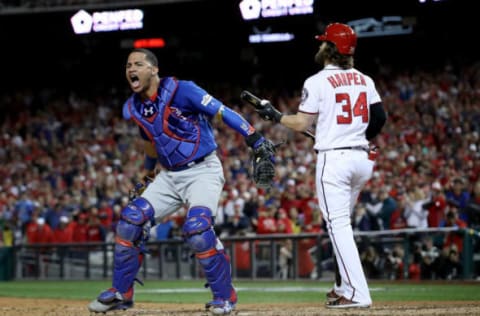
346,79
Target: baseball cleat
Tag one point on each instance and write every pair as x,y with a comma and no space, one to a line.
110,300
220,307
343,302
332,296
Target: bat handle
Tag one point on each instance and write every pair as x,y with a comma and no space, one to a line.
309,135
251,98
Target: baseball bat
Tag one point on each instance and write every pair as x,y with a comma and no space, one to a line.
257,103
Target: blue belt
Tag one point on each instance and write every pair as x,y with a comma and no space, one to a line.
190,164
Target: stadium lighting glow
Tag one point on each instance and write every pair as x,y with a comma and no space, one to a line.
149,43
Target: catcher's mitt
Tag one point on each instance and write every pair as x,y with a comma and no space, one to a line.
264,164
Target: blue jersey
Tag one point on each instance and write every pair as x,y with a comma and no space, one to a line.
176,120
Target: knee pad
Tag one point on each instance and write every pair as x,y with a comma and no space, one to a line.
198,230
132,234
138,212
200,236
135,220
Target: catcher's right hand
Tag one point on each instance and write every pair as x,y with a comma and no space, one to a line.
264,163
139,188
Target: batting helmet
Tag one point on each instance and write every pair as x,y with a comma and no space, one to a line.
342,35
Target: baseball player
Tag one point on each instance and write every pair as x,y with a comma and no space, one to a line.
174,120
349,113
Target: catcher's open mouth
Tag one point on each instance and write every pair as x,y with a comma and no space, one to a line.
134,81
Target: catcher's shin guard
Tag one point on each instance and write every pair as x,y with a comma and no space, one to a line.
133,230
200,236
132,234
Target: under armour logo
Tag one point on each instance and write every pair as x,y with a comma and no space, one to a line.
148,110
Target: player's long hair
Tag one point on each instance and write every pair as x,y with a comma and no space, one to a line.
343,61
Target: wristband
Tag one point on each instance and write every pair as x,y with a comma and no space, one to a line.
277,116
149,163
252,139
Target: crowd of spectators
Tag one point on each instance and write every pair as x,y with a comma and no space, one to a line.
68,162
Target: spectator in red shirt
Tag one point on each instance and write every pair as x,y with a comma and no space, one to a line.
284,223
39,232
288,197
80,229
266,221
95,230
307,203
64,232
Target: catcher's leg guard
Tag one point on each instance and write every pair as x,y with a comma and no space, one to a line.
199,234
132,234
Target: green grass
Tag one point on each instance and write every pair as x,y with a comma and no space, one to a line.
248,291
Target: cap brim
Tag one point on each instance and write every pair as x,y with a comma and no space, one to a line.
321,37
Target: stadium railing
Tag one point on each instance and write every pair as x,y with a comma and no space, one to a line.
252,257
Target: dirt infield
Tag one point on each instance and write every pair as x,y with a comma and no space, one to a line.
50,307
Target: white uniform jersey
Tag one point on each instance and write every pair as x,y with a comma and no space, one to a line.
342,99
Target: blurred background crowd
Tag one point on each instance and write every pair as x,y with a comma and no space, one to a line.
68,162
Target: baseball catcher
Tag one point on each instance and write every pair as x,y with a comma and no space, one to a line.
174,118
